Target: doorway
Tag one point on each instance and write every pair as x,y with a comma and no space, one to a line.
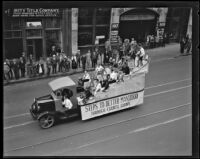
34,47
137,24
138,29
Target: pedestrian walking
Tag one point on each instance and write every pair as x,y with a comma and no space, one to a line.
182,45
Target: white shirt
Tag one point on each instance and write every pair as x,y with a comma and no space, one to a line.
99,68
141,52
98,88
108,71
68,104
113,75
86,76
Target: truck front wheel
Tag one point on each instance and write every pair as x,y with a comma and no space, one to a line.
47,121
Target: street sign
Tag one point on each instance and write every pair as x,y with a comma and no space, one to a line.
100,37
114,26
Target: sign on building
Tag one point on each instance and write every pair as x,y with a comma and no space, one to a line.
30,12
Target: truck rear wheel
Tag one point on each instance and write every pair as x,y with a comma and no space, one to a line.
46,121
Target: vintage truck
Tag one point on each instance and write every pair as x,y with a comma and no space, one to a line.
49,109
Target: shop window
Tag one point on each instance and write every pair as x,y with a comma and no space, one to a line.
13,24
17,34
8,24
34,33
13,34
52,23
102,31
103,16
85,36
34,24
85,16
13,48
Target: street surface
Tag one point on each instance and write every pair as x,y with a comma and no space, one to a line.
162,126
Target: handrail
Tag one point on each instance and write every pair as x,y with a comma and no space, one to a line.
149,59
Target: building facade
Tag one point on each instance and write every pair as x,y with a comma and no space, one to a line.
35,31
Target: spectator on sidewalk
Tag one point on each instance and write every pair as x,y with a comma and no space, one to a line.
10,64
74,63
83,60
54,64
88,59
108,45
126,47
23,57
16,68
182,45
157,41
41,66
48,65
53,50
106,57
94,58
22,66
60,63
78,58
6,71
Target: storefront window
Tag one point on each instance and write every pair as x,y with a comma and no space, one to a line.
13,24
85,16
36,24
52,23
102,31
17,34
103,16
34,33
85,36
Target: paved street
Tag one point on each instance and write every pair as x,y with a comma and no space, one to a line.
161,126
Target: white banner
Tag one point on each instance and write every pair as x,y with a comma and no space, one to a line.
111,105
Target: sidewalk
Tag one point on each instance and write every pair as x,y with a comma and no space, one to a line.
157,53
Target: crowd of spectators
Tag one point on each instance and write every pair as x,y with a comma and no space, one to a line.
59,62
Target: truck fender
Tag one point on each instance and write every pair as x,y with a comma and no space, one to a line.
45,113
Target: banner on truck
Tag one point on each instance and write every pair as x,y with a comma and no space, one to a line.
111,105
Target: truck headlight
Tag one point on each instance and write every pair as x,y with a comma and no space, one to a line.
38,107
34,107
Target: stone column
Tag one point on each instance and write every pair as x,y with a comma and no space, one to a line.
66,31
189,28
74,37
